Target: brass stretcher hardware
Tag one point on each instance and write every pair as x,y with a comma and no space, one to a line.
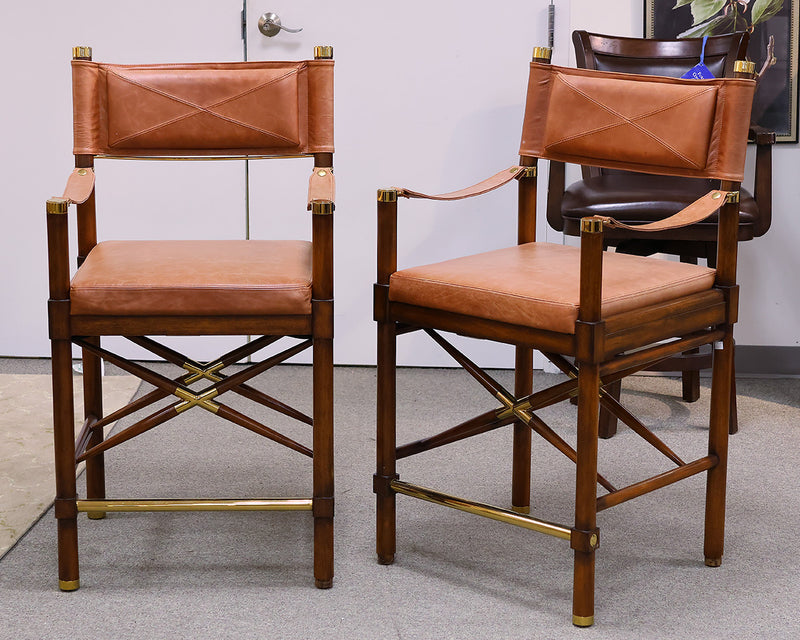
246,504
485,510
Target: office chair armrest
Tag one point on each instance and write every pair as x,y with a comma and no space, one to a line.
696,212
490,184
80,185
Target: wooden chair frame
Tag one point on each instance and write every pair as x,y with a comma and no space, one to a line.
601,351
313,331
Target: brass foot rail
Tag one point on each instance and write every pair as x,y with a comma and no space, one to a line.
261,504
485,510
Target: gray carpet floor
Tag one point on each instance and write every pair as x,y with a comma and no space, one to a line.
249,575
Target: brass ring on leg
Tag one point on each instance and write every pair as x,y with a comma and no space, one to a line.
69,585
582,621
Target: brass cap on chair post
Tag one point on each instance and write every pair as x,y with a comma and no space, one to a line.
57,205
591,225
323,53
322,207
81,53
746,67
387,195
542,54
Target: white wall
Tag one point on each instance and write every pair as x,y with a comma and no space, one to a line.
35,127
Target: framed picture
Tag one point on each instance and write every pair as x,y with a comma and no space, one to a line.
775,106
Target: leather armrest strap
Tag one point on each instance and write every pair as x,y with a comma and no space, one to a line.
321,186
699,210
490,184
80,185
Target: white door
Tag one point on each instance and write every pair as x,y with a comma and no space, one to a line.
429,95
37,139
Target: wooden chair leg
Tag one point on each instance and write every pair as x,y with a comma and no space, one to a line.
690,386
608,421
690,380
93,408
386,444
722,373
521,466
323,462
733,426
586,492
64,443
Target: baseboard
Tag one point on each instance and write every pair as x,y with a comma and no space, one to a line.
777,361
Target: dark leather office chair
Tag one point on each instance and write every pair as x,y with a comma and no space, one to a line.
140,289
598,315
636,198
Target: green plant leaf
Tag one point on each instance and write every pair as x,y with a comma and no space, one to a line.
702,10
715,26
763,10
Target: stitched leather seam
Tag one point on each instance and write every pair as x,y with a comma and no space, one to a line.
626,120
200,108
551,303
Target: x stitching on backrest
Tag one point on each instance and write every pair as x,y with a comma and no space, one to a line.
638,127
209,109
633,120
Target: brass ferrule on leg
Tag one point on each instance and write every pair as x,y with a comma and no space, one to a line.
583,621
69,585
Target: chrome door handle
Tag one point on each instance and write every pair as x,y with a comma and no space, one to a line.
270,25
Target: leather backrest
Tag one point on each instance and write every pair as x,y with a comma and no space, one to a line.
207,109
650,124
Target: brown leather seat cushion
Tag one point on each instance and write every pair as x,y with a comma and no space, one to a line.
537,284
195,277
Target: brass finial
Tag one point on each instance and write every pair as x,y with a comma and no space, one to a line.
323,53
82,53
744,66
387,195
542,53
